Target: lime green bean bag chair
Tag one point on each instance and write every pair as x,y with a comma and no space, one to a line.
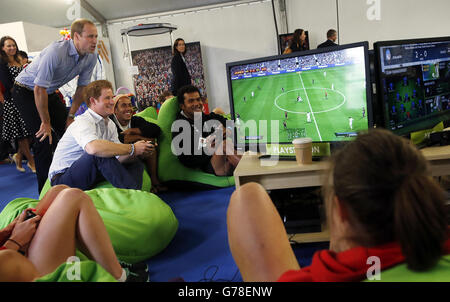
146,184
400,273
169,167
83,271
149,112
139,223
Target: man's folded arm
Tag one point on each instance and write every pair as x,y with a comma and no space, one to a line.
105,148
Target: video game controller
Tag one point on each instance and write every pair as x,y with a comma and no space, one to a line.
30,214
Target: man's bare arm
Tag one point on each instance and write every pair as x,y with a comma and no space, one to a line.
41,100
77,100
105,148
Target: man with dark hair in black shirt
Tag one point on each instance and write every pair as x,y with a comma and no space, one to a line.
331,39
200,140
133,128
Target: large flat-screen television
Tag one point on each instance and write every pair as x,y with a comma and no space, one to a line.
413,83
321,94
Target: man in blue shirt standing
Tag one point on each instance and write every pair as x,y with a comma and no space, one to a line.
34,90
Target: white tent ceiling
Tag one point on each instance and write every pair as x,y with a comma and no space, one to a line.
55,13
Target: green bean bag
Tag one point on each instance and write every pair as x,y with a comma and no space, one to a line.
149,112
169,167
400,273
84,271
146,184
139,223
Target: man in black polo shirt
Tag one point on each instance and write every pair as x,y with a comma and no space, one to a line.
200,140
331,39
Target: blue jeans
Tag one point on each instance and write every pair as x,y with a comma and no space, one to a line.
89,170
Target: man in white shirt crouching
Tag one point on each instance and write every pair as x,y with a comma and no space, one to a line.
90,150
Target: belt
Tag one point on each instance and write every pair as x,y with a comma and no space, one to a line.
28,88
22,85
56,176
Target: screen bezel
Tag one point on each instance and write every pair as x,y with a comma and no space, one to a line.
369,112
381,102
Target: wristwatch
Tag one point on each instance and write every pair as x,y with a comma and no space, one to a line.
71,115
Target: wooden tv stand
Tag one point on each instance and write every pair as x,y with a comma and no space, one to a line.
274,175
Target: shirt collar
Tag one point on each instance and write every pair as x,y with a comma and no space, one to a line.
123,128
97,117
183,114
73,51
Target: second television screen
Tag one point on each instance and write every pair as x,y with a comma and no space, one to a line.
322,95
414,83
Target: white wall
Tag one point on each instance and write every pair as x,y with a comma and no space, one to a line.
104,49
317,17
369,20
38,37
378,20
16,31
225,34
30,38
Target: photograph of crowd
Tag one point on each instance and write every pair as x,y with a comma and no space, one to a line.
155,75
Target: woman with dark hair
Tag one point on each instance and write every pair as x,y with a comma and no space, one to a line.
180,73
298,42
14,127
380,201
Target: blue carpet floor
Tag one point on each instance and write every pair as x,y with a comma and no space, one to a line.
15,184
199,251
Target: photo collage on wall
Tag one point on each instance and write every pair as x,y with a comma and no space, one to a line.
155,74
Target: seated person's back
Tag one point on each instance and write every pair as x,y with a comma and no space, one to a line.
383,209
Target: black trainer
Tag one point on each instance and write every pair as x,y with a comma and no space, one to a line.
137,272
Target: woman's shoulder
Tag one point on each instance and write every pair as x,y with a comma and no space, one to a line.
176,56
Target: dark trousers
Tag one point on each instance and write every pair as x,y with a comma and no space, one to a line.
42,151
89,170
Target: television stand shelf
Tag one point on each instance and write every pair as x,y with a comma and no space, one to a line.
274,175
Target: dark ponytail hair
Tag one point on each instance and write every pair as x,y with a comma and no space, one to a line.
420,221
384,183
296,37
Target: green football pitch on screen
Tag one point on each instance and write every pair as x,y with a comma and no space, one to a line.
315,103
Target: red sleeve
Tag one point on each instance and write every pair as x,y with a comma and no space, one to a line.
302,275
2,248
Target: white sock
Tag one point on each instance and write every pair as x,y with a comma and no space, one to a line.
123,278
